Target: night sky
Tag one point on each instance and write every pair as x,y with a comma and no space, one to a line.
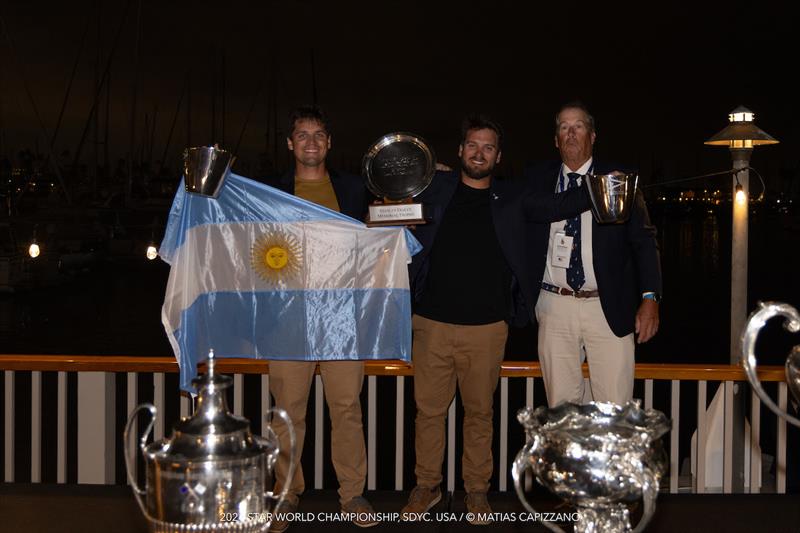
659,77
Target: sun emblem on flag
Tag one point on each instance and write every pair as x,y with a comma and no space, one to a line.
276,256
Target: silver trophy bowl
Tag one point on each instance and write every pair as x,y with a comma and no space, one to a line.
212,474
612,195
757,320
205,169
598,457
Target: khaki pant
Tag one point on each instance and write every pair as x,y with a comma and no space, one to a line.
290,384
443,355
570,327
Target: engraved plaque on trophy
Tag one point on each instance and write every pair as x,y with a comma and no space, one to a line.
398,167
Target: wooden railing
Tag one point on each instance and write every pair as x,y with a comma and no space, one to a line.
98,433
512,369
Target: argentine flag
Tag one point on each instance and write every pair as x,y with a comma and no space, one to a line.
260,273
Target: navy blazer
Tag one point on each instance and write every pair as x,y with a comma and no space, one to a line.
512,207
350,191
624,256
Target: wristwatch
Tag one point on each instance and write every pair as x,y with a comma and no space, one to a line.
652,296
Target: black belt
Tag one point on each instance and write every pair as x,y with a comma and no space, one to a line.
569,292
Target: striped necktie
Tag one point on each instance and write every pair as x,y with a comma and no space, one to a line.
575,275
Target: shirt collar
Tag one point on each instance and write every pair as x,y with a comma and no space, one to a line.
583,170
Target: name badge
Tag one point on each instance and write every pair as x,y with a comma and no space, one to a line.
562,249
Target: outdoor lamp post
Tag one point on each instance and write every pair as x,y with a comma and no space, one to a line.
740,136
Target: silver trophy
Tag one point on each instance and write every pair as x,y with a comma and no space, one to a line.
398,167
760,316
597,457
211,475
205,169
612,195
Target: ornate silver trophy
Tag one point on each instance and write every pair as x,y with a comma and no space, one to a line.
205,169
212,473
598,457
612,195
397,167
758,318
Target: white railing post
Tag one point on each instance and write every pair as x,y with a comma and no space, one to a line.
184,404
754,444
702,389
96,431
727,440
132,400
8,427
528,403
160,402
780,466
675,412
503,434
398,433
61,429
36,426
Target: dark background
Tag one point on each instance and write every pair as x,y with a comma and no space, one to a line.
660,80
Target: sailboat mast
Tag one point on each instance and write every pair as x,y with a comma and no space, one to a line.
222,137
96,121
184,90
132,146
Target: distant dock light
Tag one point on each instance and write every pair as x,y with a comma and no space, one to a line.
33,249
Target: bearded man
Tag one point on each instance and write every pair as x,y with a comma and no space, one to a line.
473,254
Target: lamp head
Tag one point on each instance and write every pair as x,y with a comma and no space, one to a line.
741,132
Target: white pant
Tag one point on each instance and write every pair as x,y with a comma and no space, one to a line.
571,329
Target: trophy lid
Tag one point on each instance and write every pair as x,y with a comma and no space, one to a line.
212,432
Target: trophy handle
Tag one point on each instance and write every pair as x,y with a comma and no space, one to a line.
292,451
130,460
521,463
649,495
758,318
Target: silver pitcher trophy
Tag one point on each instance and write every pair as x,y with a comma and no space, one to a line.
211,475
205,169
758,318
598,457
612,196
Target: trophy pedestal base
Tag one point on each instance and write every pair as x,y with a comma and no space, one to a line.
399,214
